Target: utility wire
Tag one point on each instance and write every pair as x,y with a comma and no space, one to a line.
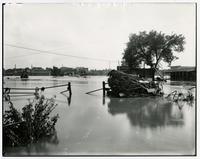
13,57
21,56
60,54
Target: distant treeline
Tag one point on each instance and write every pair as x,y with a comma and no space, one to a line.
55,71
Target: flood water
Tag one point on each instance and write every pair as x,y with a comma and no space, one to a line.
93,125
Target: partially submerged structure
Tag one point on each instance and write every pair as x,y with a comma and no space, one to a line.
141,72
127,85
181,73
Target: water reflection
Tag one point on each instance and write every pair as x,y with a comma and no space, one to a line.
148,112
41,147
68,97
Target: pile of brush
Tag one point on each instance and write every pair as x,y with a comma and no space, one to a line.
127,85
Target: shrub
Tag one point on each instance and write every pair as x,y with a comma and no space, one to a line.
30,125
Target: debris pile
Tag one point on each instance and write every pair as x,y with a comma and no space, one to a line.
179,96
30,125
127,85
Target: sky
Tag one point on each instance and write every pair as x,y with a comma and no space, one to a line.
90,35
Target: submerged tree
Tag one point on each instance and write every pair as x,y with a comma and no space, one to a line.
152,48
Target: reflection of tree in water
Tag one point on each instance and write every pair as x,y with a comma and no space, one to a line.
43,145
147,112
39,148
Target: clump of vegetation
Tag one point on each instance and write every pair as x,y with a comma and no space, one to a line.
178,97
30,125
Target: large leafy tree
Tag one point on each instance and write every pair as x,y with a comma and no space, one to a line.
152,48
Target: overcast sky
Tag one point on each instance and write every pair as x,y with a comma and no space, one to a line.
94,35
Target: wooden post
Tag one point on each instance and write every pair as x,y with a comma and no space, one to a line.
104,101
69,88
104,90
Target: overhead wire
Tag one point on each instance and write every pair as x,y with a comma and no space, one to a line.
13,57
56,53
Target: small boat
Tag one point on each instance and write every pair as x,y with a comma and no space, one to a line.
24,75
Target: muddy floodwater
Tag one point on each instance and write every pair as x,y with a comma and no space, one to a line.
93,125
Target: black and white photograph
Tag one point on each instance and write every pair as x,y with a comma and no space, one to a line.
99,79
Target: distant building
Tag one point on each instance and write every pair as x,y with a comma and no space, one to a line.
67,70
141,72
39,71
81,70
181,73
176,73
94,72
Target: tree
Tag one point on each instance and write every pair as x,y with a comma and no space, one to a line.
56,72
152,48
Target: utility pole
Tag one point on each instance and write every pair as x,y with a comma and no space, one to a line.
15,69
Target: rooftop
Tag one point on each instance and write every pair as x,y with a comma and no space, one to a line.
181,69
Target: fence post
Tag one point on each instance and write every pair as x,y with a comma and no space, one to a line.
69,88
104,90
104,101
